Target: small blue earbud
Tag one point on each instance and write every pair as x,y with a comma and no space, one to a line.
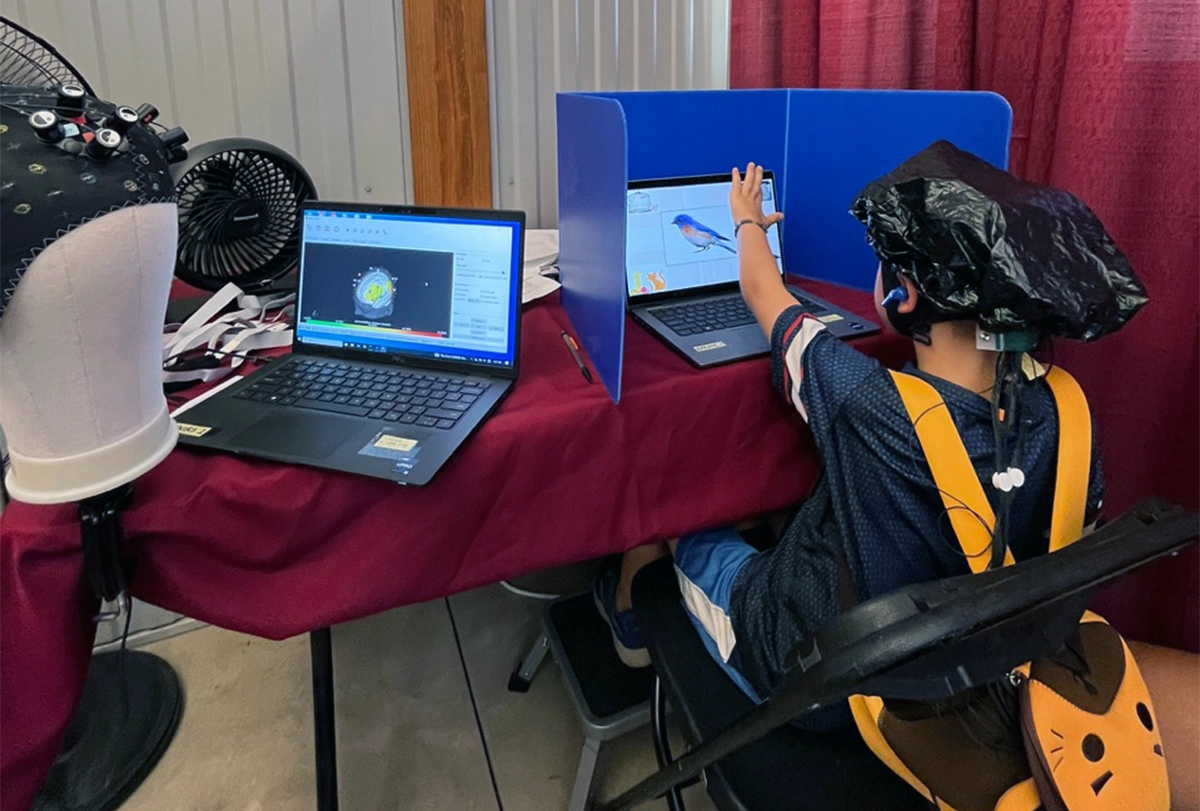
897,295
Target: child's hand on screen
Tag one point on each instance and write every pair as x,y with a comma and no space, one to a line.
745,198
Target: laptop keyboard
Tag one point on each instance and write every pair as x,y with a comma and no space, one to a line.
710,315
393,395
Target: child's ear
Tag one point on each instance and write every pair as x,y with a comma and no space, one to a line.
909,304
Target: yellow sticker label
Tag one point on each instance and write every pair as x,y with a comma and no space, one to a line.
187,429
829,319
706,347
395,443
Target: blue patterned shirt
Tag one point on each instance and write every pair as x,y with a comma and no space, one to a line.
875,507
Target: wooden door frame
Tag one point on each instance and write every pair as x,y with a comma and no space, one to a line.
446,52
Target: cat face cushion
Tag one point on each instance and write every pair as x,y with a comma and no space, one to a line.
1091,731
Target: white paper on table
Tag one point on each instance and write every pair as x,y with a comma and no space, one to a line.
536,285
541,246
541,255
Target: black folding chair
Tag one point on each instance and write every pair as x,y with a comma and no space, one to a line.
927,642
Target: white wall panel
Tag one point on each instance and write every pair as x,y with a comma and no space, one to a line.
323,79
326,81
262,63
539,47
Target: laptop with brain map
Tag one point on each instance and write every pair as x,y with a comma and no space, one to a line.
406,336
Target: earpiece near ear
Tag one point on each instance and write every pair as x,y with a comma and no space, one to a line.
895,297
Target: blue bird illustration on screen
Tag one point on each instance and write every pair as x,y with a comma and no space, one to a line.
699,234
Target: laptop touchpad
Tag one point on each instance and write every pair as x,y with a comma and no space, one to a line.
297,434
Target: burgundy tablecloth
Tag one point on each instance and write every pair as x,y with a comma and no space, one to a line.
559,474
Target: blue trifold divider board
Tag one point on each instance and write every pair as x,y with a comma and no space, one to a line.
824,146
701,132
827,166
591,220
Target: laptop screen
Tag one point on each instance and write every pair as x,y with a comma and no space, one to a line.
679,234
439,287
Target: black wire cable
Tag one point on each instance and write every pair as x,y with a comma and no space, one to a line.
181,364
960,504
991,718
121,654
4,497
998,447
256,359
1009,376
1006,421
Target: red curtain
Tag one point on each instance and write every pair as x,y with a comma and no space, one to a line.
1106,104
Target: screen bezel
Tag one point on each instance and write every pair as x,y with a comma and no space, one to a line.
691,292
415,359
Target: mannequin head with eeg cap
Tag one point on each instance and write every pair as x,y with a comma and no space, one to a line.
87,249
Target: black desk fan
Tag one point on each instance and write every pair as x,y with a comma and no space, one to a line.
239,214
239,221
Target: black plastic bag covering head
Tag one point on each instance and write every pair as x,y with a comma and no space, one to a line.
983,245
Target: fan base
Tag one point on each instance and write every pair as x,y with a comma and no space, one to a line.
108,752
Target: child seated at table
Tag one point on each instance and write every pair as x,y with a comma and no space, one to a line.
875,521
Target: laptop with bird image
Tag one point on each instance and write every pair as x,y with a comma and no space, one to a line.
682,271
406,337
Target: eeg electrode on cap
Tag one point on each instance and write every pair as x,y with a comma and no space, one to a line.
70,158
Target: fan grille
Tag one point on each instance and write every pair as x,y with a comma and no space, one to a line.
29,61
239,218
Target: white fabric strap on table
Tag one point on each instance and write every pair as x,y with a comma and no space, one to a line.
260,322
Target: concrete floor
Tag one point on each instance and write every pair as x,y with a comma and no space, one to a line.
408,735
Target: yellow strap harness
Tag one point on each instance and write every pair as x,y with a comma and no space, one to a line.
962,493
973,520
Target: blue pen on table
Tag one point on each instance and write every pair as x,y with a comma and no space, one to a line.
573,348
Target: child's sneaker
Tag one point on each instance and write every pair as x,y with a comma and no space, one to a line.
626,634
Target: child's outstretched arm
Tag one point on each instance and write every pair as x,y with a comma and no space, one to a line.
816,372
762,286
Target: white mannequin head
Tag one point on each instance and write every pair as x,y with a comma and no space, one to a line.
81,397
89,239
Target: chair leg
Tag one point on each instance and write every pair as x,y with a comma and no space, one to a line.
583,776
662,742
521,678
